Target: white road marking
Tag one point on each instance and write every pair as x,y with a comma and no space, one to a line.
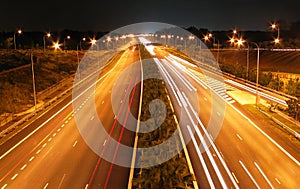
31,158
38,151
86,186
49,139
239,136
92,118
44,145
205,99
266,135
102,101
58,129
46,185
237,181
232,101
218,113
249,174
206,171
62,125
264,175
24,166
104,142
74,143
69,118
61,181
66,121
54,135
277,181
4,186
13,178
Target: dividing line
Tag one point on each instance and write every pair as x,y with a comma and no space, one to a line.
249,174
263,174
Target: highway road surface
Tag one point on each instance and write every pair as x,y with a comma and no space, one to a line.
243,155
52,153
226,147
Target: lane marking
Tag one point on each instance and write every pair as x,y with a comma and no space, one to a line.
92,118
102,101
237,181
46,185
249,174
54,135
75,143
61,181
206,171
266,135
66,121
31,158
13,178
38,151
4,186
239,136
205,99
58,129
44,145
24,166
218,113
86,186
104,142
264,175
49,139
277,181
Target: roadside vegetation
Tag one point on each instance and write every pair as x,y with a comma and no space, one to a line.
173,173
16,89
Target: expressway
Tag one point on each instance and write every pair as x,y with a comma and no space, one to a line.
243,155
51,153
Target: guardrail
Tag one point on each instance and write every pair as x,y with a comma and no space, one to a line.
287,128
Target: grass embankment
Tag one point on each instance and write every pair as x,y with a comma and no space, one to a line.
16,91
173,173
271,124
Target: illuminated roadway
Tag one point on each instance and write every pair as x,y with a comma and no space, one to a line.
56,156
253,158
243,155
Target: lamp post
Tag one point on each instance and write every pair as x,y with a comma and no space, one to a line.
68,37
257,73
44,39
80,43
207,37
33,81
19,33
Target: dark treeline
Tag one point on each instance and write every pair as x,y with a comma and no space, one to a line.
36,39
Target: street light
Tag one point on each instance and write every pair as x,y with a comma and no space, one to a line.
68,37
56,45
44,39
240,42
207,37
275,26
19,31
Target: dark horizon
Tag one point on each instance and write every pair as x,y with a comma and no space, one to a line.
214,15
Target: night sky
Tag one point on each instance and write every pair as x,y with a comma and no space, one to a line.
107,15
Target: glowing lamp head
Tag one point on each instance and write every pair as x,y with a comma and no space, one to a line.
19,31
277,41
56,45
240,42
